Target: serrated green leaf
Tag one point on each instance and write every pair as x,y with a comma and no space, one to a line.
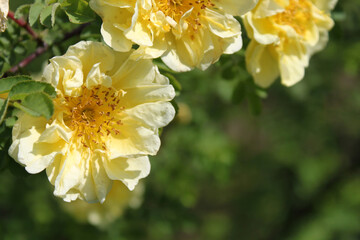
34,12
23,89
53,13
22,10
78,11
3,109
7,83
45,16
239,93
37,104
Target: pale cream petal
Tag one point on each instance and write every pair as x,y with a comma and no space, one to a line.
134,140
147,93
232,45
115,38
325,5
102,182
139,32
187,52
141,72
292,69
96,77
128,170
71,176
266,8
157,49
222,25
236,7
95,4
51,74
261,64
89,54
4,9
154,115
261,30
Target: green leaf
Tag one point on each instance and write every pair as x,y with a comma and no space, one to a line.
7,83
45,16
78,11
3,109
21,11
10,121
37,104
239,93
176,84
53,13
163,68
34,13
23,89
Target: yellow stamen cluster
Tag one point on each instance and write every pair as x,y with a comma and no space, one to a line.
297,15
177,8
93,114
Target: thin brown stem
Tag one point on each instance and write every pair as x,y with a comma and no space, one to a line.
22,23
40,50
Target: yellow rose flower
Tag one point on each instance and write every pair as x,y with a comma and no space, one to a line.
184,33
4,9
101,215
107,113
285,33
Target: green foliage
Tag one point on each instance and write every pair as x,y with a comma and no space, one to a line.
6,84
35,11
37,104
78,11
33,97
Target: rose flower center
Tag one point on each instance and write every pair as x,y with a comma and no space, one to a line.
297,15
93,115
177,8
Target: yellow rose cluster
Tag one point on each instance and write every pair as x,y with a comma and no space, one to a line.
108,111
284,34
112,100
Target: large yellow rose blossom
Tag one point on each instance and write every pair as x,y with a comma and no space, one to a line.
101,215
4,9
108,111
184,33
285,33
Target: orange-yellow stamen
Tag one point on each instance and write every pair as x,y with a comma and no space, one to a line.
177,8
297,15
93,115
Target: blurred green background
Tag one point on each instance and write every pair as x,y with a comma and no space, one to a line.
223,172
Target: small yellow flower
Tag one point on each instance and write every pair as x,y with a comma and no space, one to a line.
184,33
4,9
107,113
285,33
101,215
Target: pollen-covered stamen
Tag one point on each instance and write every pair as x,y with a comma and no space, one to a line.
297,15
177,8
93,115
